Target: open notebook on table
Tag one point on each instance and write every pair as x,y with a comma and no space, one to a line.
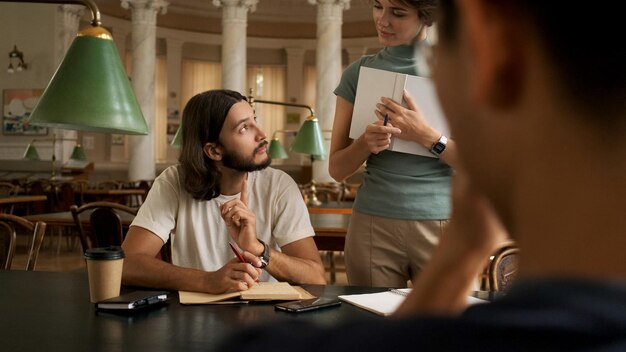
263,291
386,302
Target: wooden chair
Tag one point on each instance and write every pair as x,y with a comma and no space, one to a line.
324,192
39,187
501,268
12,223
105,224
7,245
108,184
8,189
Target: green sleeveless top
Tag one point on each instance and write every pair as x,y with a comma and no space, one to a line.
398,185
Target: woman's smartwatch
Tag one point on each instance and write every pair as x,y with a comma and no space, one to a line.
439,146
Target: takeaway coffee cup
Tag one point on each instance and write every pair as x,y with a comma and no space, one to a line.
104,267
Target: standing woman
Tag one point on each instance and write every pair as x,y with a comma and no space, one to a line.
404,202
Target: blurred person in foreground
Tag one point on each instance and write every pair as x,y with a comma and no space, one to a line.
539,116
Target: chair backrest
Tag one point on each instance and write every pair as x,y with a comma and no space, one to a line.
8,189
37,230
36,188
503,268
105,225
324,192
7,245
108,184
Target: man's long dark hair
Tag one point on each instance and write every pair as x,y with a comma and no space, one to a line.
203,119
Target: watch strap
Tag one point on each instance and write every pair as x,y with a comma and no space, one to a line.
265,256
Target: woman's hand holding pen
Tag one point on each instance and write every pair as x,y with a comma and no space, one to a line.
377,136
409,120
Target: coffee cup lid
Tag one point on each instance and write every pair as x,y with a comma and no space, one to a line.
105,253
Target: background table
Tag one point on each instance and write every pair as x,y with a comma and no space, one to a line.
51,312
330,229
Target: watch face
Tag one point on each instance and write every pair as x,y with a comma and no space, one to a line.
438,148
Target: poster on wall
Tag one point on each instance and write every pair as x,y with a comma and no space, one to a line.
17,105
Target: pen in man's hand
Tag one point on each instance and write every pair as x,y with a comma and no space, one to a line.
386,120
239,256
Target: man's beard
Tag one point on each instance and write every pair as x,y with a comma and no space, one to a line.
234,161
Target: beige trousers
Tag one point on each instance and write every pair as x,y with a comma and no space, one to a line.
384,252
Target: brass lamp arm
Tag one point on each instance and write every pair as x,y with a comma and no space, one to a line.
90,4
252,100
283,104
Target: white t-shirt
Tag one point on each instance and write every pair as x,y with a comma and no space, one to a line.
199,236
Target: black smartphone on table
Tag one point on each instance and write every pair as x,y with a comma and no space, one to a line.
306,305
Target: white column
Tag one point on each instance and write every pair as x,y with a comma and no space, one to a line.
119,37
142,163
174,70
68,18
116,152
234,23
295,79
295,91
328,66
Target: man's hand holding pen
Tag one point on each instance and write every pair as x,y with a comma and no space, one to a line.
244,270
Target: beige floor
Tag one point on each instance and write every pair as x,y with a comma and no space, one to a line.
67,256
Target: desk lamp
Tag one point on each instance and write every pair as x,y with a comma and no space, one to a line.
90,90
31,152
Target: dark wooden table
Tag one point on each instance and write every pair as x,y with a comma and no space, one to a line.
44,311
22,199
332,207
10,201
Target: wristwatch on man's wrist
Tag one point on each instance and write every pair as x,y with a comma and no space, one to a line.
265,256
439,146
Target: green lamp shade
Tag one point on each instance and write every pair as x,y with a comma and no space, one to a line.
78,153
178,137
31,153
276,150
90,91
309,139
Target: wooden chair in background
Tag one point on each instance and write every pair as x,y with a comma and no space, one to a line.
41,187
106,228
36,231
7,245
8,189
501,268
108,184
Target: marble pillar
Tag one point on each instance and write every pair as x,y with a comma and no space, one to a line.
295,94
67,18
142,164
328,66
174,72
234,24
